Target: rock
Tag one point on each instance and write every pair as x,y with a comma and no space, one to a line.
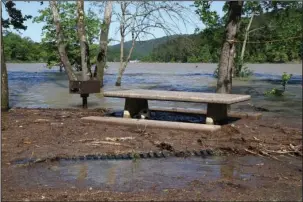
209,120
126,114
57,124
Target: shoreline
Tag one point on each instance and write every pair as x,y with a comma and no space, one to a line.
50,134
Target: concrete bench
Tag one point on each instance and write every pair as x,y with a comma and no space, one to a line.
217,104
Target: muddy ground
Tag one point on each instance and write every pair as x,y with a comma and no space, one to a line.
47,133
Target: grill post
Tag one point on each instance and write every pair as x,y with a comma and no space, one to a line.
84,100
84,88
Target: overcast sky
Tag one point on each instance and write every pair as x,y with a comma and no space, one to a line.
34,30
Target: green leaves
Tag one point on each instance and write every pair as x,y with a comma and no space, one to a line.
208,17
278,92
16,19
22,49
68,20
285,78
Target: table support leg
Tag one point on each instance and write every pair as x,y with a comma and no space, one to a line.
134,106
216,113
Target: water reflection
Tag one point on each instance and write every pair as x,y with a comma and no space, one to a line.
158,174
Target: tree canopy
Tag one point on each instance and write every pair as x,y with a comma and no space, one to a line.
274,36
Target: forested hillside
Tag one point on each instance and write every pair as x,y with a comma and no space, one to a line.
142,48
274,37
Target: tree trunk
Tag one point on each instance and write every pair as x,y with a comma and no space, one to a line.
122,35
224,83
83,43
60,42
124,64
102,55
122,68
4,80
245,39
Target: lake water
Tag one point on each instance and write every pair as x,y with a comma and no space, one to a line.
34,86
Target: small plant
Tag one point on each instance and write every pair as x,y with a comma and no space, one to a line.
278,92
241,70
216,72
275,92
135,156
285,78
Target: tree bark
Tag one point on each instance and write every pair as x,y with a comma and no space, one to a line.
124,64
224,83
245,39
102,54
83,43
60,42
4,80
122,35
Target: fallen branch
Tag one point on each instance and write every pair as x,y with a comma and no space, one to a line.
281,152
119,138
103,142
268,155
87,140
252,152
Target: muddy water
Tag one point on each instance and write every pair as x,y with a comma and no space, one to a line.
32,85
146,174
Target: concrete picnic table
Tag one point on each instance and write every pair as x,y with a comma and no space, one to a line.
217,104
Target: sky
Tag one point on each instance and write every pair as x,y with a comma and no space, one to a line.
34,30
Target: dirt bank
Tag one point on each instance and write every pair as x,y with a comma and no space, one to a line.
43,133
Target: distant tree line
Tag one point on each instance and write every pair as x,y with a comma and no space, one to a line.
274,37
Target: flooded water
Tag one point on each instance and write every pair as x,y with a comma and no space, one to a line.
144,174
33,86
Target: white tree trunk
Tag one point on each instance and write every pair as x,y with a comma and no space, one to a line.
122,35
61,43
102,55
83,43
246,37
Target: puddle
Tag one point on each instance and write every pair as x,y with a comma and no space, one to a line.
140,175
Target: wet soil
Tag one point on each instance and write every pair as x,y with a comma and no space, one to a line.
47,133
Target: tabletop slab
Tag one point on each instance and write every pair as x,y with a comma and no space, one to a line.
197,97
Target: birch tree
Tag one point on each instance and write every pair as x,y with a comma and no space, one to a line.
84,48
103,43
69,22
61,43
139,19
